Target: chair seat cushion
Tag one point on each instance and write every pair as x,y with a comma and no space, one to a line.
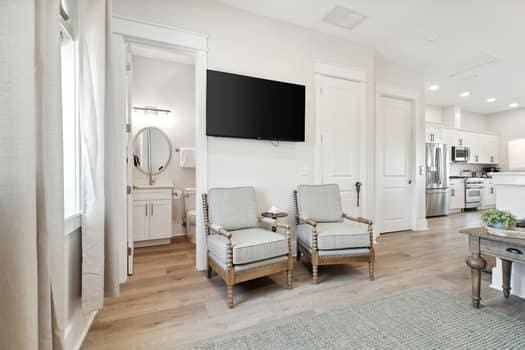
335,235
249,245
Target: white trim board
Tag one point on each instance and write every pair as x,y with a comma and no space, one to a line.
196,45
340,72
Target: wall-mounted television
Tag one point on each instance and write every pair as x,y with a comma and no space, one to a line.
246,107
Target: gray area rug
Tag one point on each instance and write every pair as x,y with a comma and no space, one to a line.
416,319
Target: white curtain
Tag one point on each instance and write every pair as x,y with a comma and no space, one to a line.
32,300
92,81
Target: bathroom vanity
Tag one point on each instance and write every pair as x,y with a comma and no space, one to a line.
152,215
152,205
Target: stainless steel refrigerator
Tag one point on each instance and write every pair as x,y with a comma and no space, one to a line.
437,191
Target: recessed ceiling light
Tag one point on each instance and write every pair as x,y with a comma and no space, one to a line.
491,99
514,105
465,94
434,87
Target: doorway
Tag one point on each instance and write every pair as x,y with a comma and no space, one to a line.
156,42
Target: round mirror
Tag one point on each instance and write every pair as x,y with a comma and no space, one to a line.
151,150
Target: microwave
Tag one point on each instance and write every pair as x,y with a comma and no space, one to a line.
460,154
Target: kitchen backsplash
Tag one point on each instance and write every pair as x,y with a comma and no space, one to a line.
456,168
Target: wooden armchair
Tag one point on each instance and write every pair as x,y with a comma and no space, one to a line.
328,235
241,246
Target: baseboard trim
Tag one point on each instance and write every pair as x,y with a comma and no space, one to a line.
421,225
77,330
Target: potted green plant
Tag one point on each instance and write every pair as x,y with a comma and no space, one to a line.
499,219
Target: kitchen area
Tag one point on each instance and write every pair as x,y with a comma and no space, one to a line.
459,164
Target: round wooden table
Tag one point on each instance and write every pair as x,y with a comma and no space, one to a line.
274,216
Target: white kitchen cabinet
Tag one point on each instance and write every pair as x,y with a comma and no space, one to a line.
456,194
433,134
488,197
483,148
449,137
152,215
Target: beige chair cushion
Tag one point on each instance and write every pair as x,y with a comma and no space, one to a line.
335,235
232,208
321,203
249,245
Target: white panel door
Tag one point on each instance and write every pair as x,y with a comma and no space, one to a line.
341,113
394,166
160,219
140,220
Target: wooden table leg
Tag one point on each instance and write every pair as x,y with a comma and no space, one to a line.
476,264
507,269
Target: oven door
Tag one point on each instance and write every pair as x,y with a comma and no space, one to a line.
473,196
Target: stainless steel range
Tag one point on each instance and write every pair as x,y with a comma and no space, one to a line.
473,192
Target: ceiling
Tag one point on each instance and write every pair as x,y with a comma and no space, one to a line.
467,45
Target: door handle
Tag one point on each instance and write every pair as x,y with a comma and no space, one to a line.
358,190
151,209
146,207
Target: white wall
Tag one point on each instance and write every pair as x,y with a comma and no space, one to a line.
434,114
243,43
509,125
474,121
167,85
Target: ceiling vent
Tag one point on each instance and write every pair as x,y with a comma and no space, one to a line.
343,17
468,68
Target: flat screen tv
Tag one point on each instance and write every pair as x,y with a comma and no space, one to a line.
246,107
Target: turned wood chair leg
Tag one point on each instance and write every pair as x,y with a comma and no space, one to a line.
230,295
371,270
289,278
315,273
371,260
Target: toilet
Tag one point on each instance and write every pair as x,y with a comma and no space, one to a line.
189,207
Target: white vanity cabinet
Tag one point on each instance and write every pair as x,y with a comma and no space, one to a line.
152,215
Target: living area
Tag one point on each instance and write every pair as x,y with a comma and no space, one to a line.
254,175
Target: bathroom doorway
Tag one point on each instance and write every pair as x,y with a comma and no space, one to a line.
161,145
148,44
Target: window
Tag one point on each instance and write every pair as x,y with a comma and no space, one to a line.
70,121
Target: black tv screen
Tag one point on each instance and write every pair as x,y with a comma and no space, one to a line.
247,107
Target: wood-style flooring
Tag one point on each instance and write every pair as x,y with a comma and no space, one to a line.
167,304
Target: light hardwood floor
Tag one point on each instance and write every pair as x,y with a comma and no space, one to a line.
167,304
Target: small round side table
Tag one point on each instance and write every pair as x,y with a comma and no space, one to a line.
274,216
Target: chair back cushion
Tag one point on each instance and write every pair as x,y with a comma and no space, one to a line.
321,203
232,208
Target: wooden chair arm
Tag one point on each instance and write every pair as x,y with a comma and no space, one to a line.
310,222
219,230
358,219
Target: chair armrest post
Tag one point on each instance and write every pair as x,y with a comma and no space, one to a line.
363,221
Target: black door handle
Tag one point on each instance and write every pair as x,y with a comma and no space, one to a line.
514,251
358,190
